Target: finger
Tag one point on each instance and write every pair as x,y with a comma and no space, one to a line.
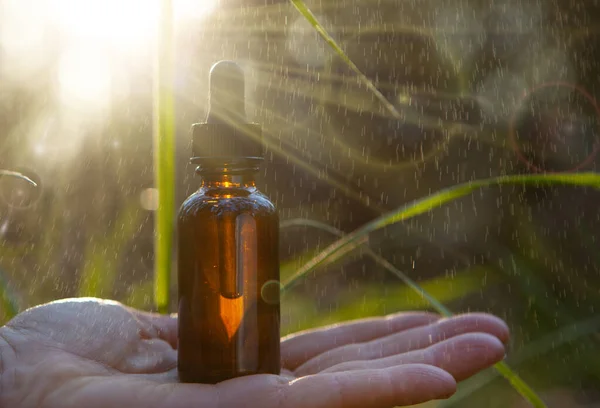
412,339
164,326
300,347
394,386
150,356
461,356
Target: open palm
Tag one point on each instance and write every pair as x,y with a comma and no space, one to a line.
94,353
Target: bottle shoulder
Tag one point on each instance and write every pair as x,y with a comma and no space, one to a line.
239,200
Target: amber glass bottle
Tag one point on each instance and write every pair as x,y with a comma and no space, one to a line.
228,263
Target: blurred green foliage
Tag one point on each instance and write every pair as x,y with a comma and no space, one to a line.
101,266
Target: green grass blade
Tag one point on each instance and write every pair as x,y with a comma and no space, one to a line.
164,157
519,385
433,201
312,20
377,300
377,258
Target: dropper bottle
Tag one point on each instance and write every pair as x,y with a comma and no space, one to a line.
228,243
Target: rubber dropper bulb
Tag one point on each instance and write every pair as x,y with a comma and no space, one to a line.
226,94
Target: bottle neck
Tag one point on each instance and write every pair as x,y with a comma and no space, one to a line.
228,181
220,173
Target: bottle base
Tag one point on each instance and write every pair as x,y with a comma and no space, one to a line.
216,377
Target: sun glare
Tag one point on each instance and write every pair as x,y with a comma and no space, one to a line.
89,49
123,27
96,40
120,23
84,77
22,37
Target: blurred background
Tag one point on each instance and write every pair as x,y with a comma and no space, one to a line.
485,88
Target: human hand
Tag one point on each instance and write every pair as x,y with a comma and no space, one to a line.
95,353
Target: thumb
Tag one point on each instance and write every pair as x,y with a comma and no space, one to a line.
165,325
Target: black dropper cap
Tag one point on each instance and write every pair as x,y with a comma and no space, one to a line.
226,133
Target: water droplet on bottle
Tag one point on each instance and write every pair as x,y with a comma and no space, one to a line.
270,291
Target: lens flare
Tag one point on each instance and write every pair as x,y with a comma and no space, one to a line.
558,139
